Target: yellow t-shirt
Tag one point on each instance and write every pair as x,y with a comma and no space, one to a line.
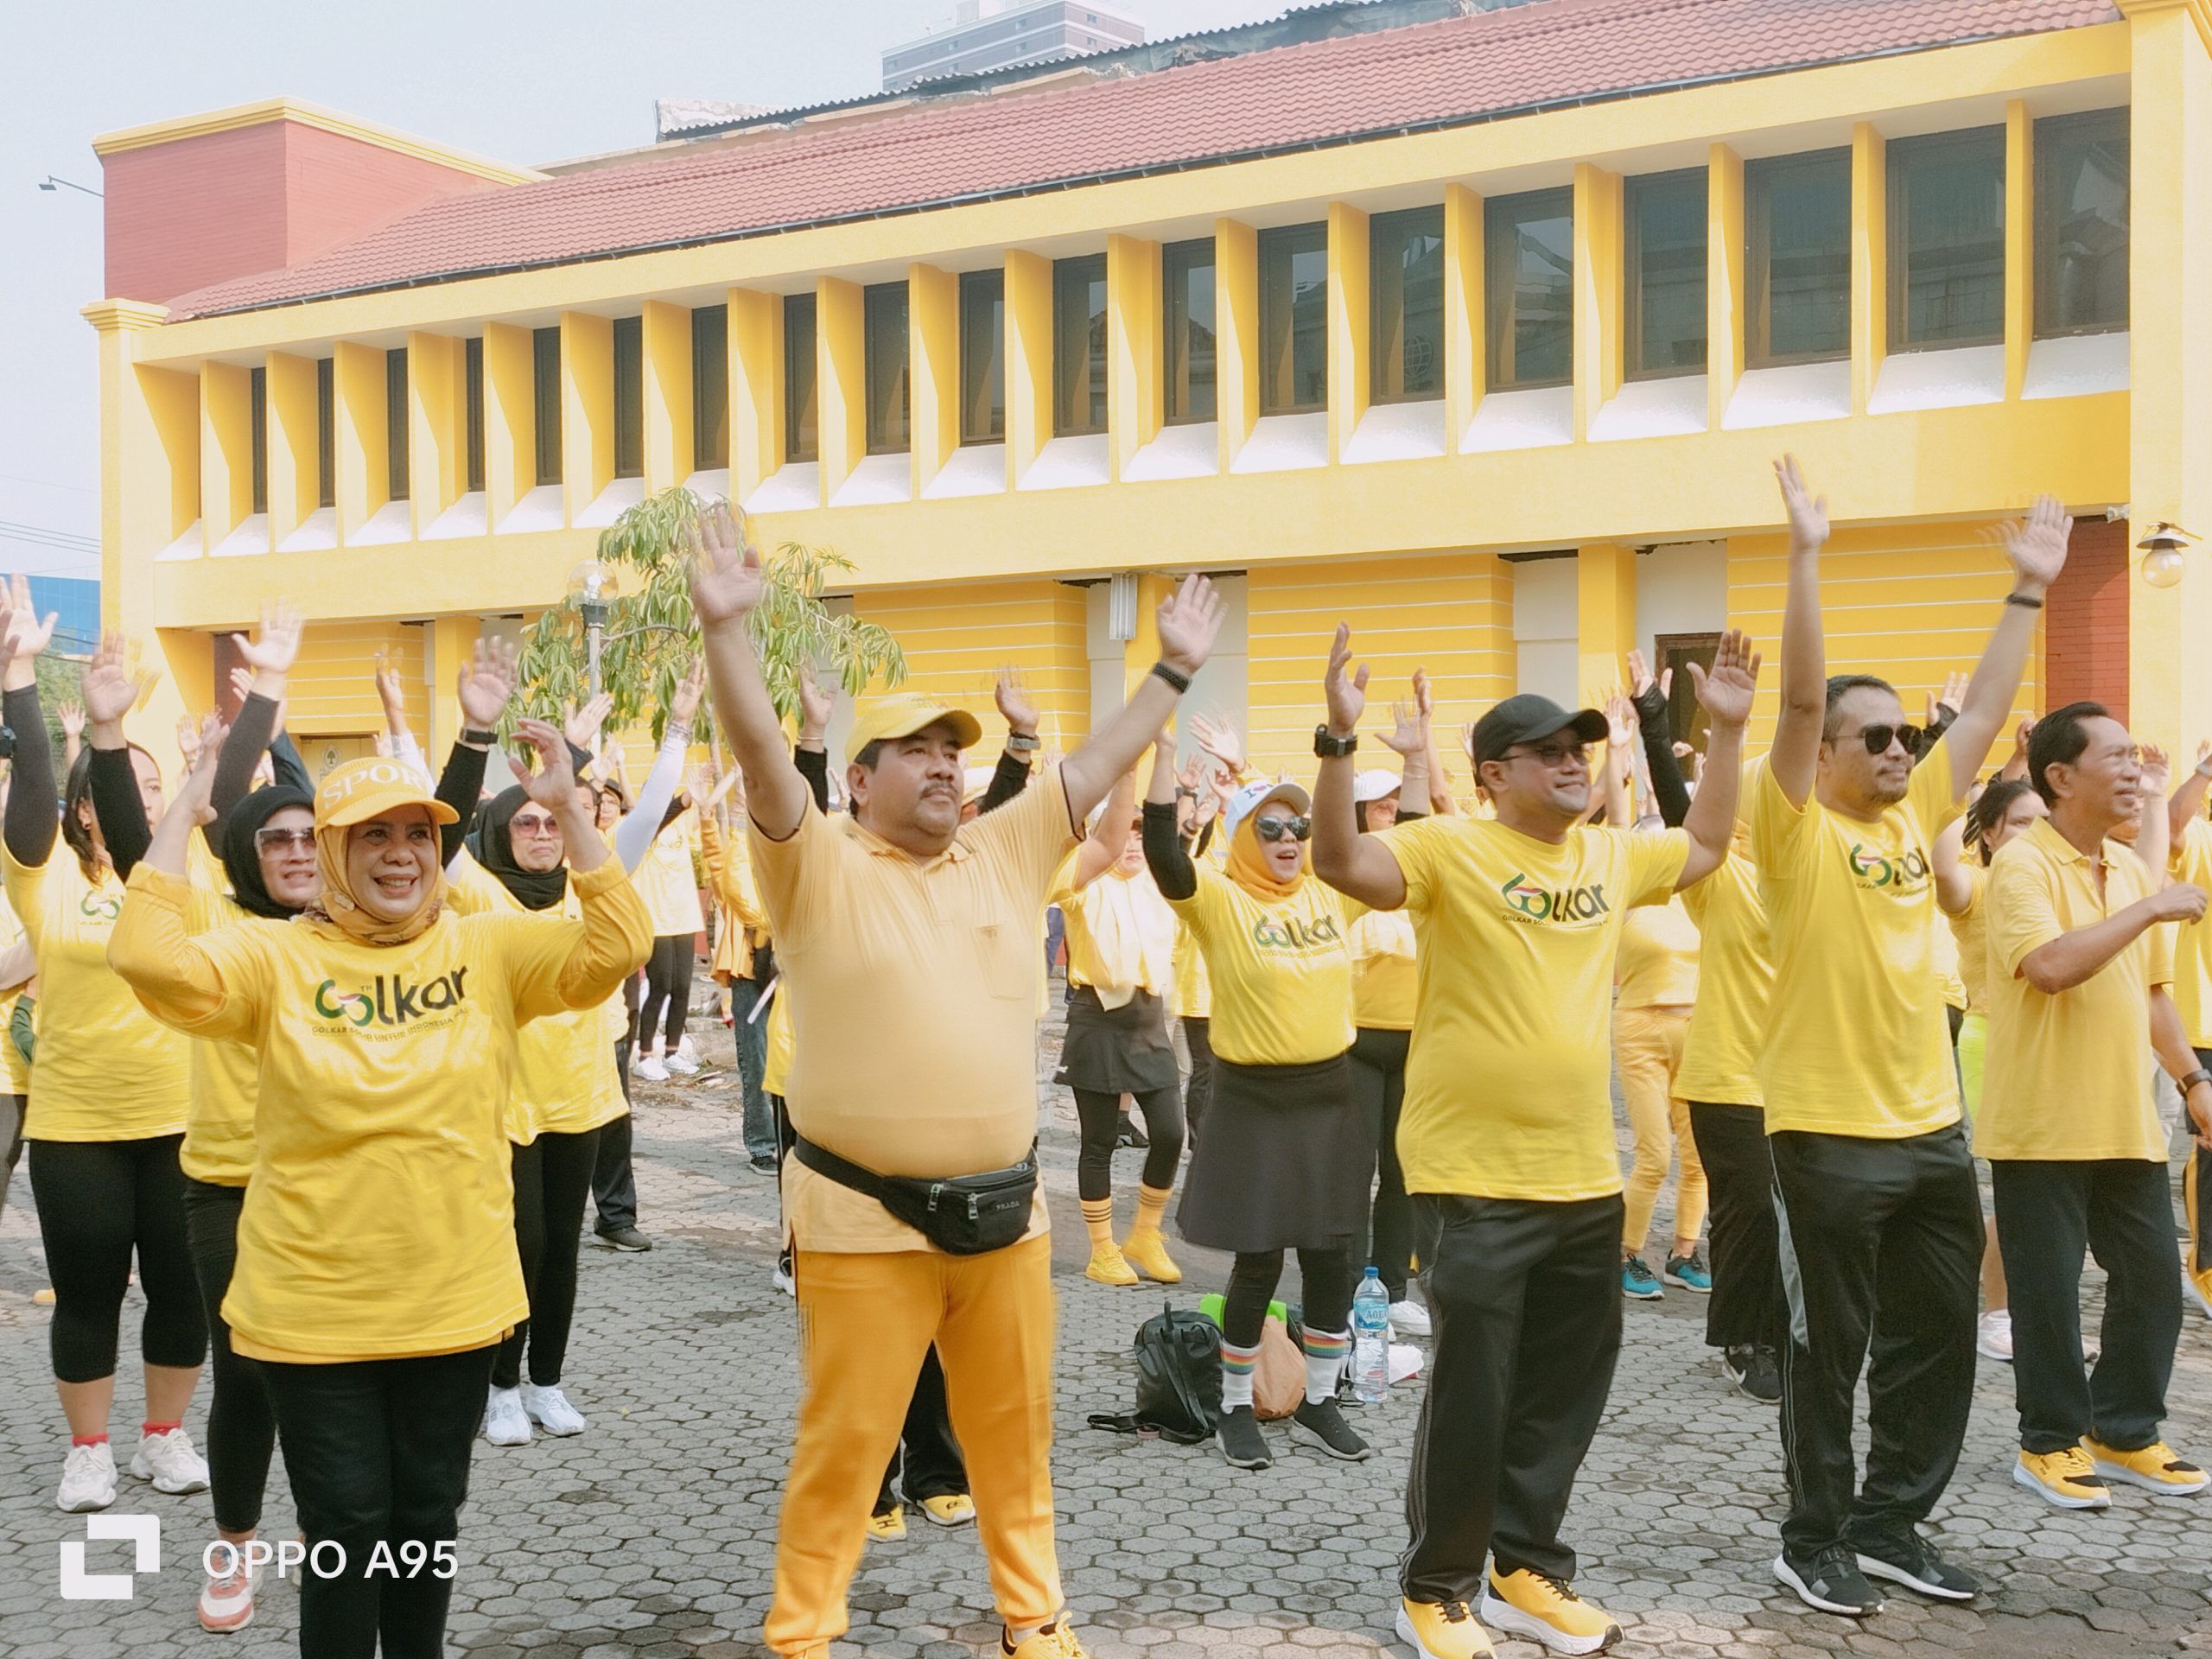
1280,970
742,928
1658,961
1508,1079
1856,1040
775,1074
2192,863
1969,933
226,1075
1735,975
1121,934
106,1069
12,1066
1943,950
913,988
667,883
2069,1075
379,1223
1385,974
1193,987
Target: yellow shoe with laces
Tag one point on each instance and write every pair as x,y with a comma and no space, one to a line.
2156,1466
1442,1629
1055,1640
1147,1251
1108,1267
1544,1609
953,1510
888,1527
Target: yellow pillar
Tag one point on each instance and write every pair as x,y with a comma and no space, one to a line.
1237,333
2020,242
1870,261
841,380
361,442
1463,310
1028,360
664,335
587,408
295,488
510,419
1133,390
1597,292
756,372
225,450
1350,334
1724,281
437,424
933,337
453,640
1604,617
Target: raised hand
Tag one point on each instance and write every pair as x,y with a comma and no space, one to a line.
110,688
683,701
1424,699
550,780
1189,621
1639,674
1346,692
1727,689
187,738
2157,769
1953,696
1408,734
2037,544
279,647
815,706
72,716
1218,739
580,725
727,579
1621,723
389,693
25,636
486,683
1192,774
1018,707
195,795
1807,513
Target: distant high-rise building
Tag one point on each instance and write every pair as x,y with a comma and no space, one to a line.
999,34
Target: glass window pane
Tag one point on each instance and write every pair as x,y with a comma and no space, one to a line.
395,424
629,397
473,393
802,422
325,432
545,369
1797,222
710,388
1665,261
1947,240
1187,276
890,413
2081,194
1079,345
1528,289
983,356
1294,320
257,397
1406,299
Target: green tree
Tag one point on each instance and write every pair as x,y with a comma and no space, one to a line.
652,636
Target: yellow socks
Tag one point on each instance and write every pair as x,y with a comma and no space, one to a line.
1106,1266
1145,1248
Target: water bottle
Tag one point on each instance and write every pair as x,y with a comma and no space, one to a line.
1370,1339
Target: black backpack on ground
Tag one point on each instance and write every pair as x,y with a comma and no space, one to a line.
1179,1379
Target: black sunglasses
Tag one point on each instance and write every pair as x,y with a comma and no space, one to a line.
1878,739
1272,828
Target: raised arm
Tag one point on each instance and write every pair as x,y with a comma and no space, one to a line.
486,681
1102,848
33,817
617,934
1668,793
1011,776
1410,740
1189,621
633,836
2036,549
1796,758
1173,872
1619,774
2153,841
2187,802
1349,861
726,584
1946,863
109,690
269,658
1726,693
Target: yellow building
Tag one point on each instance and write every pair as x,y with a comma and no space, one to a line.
1477,333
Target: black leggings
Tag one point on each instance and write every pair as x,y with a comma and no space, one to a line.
553,1177
1101,1116
1378,1089
1197,1036
241,1428
1252,1283
668,986
98,1202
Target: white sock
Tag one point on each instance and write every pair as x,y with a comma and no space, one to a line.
1322,1370
1236,1364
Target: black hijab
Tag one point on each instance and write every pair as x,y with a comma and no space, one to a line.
242,859
491,845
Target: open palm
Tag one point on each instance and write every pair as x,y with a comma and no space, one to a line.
2037,544
1728,688
486,684
278,645
109,690
727,577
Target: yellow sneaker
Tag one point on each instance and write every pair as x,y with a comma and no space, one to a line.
1442,1629
1147,1251
43,1298
888,1527
2155,1466
2066,1479
1055,1640
1108,1267
1547,1611
953,1510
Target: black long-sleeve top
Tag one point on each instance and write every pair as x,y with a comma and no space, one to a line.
1668,793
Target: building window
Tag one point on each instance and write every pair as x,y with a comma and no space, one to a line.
802,424
257,398
983,356
1187,275
890,413
471,375
2082,187
709,388
1797,269
325,432
629,397
1294,320
1947,240
1664,263
545,383
1079,345
1528,289
395,424
1406,298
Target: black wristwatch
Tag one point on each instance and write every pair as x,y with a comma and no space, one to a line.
478,738
2194,1078
1023,743
1330,747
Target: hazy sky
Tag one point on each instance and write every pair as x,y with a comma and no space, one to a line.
527,85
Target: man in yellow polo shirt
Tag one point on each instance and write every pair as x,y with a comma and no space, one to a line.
2081,962
908,945
2191,844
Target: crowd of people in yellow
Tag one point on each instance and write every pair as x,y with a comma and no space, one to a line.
340,1063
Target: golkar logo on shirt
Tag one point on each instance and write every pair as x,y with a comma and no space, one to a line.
1530,902
1899,873
392,999
1295,932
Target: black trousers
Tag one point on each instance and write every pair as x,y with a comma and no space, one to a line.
614,1183
1881,1252
1525,1301
1199,1094
98,1203
1325,1281
241,1427
1378,1088
1101,1117
2120,1209
378,1451
553,1177
668,991
926,1462
1747,1308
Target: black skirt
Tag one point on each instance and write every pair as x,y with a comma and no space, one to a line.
1285,1162
1113,1050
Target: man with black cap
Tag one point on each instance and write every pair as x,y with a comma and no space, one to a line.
1507,1132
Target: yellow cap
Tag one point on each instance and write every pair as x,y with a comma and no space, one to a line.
361,790
908,713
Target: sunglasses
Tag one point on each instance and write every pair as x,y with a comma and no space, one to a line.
1272,828
533,824
282,841
1878,739
1554,754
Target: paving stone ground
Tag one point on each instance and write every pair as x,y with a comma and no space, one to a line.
653,1533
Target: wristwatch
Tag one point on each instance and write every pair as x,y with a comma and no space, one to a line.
478,738
2194,1078
1330,747
1023,743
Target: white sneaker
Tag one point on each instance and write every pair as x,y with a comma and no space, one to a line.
781,1279
550,1410
1992,1337
506,1423
170,1463
650,1067
1409,1318
87,1479
226,1604
680,1064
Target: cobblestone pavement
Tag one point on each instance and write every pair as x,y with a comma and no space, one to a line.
652,1533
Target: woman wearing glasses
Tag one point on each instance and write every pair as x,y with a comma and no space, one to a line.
1285,1160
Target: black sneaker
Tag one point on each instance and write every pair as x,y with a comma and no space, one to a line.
1322,1424
1756,1373
766,1163
1829,1582
1912,1561
1126,1133
624,1238
1243,1445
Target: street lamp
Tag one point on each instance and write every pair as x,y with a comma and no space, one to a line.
593,589
2164,564
50,183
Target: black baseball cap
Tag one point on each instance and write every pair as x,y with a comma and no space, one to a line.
1528,718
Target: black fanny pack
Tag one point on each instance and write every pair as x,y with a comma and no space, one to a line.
962,1215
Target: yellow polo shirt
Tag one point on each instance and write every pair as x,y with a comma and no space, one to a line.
2069,1075
1508,1079
1281,969
2192,863
1721,1051
913,987
1385,972
1658,961
1970,933
667,883
1856,1040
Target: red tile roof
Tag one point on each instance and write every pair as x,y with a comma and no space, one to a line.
1432,75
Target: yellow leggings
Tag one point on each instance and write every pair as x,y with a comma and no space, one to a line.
1648,1048
865,1322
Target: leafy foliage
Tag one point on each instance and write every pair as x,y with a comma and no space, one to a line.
651,635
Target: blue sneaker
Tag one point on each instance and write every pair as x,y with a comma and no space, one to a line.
1690,1273
1637,1280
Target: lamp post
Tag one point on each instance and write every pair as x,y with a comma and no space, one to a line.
2164,564
51,183
593,588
